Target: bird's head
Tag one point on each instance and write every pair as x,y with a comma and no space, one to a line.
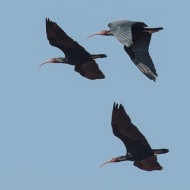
116,159
103,33
55,60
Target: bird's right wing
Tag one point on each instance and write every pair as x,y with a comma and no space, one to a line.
90,70
139,54
124,129
58,38
122,31
148,164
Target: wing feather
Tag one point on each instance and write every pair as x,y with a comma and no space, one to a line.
139,54
58,38
148,164
90,70
124,129
122,30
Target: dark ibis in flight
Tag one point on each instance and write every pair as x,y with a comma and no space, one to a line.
135,36
138,148
75,54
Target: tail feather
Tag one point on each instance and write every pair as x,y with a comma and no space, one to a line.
160,151
95,56
152,30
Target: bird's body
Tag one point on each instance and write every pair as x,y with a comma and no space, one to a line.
75,54
138,148
135,36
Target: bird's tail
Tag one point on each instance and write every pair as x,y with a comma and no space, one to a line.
152,30
95,56
160,151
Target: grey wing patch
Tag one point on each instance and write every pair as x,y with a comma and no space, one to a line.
148,164
90,70
124,36
122,31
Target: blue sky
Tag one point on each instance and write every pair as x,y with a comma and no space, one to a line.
55,127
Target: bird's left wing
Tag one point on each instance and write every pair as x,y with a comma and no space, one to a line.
139,54
124,129
90,70
122,30
148,164
58,38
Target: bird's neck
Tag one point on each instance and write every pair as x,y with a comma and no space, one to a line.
109,33
61,60
128,156
122,158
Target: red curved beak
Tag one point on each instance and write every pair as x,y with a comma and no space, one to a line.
98,33
49,61
109,161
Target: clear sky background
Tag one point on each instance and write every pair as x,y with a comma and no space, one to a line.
55,126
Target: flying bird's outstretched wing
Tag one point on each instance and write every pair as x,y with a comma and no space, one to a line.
139,54
148,164
123,30
90,70
124,129
58,38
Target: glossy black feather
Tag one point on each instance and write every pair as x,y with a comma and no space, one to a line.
139,54
148,164
138,148
136,36
125,130
58,38
75,54
89,70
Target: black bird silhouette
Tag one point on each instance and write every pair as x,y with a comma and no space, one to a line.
138,148
135,36
74,53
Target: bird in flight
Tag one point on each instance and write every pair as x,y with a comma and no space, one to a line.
75,54
135,36
138,148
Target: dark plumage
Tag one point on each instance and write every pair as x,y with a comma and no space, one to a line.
138,148
135,36
75,54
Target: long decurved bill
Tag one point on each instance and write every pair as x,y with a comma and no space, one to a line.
49,61
98,33
109,161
